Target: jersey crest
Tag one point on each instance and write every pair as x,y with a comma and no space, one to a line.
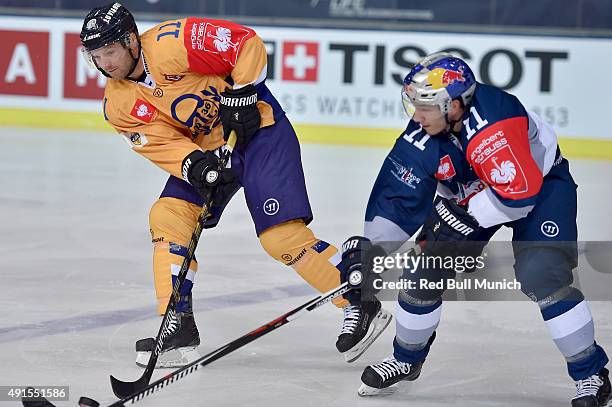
144,111
446,169
199,111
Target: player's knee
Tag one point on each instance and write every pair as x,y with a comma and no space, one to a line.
542,271
288,242
172,220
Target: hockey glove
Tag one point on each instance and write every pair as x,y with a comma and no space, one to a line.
238,111
356,268
447,227
202,169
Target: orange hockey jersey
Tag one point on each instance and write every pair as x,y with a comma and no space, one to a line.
188,63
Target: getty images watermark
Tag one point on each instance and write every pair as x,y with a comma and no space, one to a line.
410,263
493,271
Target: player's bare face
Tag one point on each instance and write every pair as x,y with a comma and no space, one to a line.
114,59
430,118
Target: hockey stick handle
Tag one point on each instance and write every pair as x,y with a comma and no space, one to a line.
121,388
234,345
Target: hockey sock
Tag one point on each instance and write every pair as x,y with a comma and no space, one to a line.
293,244
415,322
570,324
184,303
172,222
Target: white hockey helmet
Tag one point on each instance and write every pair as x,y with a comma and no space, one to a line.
436,80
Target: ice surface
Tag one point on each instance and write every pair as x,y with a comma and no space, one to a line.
77,292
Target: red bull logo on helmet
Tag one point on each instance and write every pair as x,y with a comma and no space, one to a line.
441,77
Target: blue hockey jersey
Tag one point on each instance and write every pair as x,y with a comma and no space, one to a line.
495,165
417,167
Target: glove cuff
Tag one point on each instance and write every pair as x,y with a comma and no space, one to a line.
244,96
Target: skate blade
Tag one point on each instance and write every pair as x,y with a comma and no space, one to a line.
367,391
378,325
172,358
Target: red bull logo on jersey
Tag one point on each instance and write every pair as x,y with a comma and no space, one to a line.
441,78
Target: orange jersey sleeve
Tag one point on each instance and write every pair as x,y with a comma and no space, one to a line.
162,145
165,145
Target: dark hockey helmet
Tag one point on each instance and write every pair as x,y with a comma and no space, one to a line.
107,24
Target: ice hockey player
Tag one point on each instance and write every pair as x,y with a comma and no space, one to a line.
492,164
174,93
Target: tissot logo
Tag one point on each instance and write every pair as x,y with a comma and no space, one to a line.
300,61
359,62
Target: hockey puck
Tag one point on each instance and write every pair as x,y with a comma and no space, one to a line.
87,402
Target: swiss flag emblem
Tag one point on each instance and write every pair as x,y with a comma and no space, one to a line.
446,170
144,111
300,61
504,173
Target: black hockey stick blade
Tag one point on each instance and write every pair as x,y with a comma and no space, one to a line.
125,389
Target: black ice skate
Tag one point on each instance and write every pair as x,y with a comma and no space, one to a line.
362,325
594,391
180,347
377,379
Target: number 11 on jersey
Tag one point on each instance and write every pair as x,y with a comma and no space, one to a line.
418,144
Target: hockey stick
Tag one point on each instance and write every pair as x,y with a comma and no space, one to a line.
227,348
232,346
123,389
245,339
264,329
